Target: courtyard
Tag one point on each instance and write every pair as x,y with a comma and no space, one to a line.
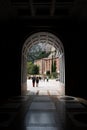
52,87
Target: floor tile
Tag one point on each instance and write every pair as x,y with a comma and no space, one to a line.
40,118
42,128
74,105
42,98
42,106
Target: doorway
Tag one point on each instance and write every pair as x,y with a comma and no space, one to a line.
43,39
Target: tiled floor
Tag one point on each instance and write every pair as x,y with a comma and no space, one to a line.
49,113
42,115
43,112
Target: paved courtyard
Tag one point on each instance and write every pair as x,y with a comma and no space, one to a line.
52,87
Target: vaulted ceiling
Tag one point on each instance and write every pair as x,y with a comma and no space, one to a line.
42,8
44,11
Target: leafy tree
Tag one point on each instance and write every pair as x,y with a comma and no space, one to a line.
54,69
52,66
35,69
43,54
29,67
32,69
54,75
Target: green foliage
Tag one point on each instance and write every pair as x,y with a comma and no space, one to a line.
32,69
53,75
29,67
54,69
38,55
43,54
35,69
52,66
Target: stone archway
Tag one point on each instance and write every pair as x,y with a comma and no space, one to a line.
43,37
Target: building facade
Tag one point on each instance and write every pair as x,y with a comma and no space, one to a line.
45,64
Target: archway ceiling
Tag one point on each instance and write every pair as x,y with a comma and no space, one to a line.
28,8
43,37
43,13
55,11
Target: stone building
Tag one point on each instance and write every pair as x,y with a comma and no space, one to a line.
45,64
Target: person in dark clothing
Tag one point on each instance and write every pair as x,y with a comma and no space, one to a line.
33,81
47,78
37,81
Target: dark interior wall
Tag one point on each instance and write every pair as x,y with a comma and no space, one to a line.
75,55
10,61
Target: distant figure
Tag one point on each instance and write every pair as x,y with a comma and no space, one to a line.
44,78
37,81
33,81
47,78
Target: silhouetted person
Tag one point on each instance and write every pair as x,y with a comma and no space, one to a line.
33,81
44,78
47,78
37,81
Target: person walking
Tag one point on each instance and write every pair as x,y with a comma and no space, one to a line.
33,81
37,81
47,78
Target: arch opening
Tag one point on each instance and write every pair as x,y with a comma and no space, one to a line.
45,38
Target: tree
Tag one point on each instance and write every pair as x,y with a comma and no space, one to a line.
54,69
52,66
32,69
29,67
35,69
